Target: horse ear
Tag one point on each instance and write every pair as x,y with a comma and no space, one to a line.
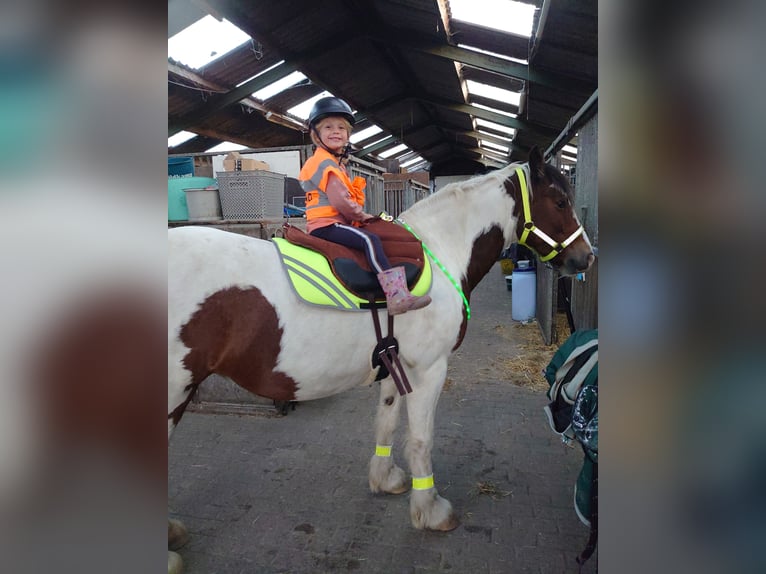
536,163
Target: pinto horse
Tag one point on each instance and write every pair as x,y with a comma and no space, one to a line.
233,312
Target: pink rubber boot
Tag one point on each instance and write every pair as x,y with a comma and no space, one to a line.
398,297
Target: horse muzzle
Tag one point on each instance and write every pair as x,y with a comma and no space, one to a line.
577,261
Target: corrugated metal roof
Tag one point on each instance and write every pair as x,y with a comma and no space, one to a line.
240,64
394,61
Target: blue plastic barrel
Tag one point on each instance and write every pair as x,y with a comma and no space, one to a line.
180,166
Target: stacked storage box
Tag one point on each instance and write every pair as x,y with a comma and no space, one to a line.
251,195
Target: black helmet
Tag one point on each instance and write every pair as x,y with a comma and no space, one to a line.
324,107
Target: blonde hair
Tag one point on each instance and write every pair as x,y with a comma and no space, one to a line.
314,131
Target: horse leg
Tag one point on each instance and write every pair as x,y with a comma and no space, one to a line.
178,400
177,537
385,476
427,509
177,534
175,564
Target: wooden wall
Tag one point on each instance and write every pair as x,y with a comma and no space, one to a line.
585,293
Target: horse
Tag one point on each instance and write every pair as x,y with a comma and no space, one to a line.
232,312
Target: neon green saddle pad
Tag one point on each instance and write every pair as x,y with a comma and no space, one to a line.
313,280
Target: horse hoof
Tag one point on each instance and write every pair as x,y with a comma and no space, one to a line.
175,564
177,534
430,511
387,478
399,490
451,523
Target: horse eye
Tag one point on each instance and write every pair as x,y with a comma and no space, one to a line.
561,204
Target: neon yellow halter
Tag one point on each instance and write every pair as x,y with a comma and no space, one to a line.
529,226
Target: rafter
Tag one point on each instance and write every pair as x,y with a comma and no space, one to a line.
481,61
220,101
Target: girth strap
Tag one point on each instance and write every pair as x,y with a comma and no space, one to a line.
386,354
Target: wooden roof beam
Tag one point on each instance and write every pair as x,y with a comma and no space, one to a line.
376,146
219,101
483,61
464,108
477,156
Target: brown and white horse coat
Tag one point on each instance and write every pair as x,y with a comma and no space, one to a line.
232,312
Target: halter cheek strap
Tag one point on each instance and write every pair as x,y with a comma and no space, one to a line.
529,226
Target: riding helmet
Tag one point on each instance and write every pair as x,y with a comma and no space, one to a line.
330,106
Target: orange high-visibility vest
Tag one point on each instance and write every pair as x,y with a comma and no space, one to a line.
314,176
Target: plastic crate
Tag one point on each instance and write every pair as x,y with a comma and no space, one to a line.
251,195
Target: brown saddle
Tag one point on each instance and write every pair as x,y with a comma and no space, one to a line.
350,266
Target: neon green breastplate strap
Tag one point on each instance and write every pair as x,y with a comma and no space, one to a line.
441,266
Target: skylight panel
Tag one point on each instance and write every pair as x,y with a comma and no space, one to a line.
376,142
494,126
572,150
495,54
498,136
179,138
204,41
226,146
494,162
364,134
261,73
393,151
493,92
405,157
493,154
410,162
303,109
279,86
496,110
494,146
505,15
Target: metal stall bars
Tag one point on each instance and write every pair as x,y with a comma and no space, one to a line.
375,193
402,194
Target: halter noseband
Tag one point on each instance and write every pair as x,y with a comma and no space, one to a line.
529,226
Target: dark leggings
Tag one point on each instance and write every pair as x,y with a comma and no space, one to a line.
359,239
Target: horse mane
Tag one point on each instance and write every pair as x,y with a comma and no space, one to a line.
458,188
559,180
498,177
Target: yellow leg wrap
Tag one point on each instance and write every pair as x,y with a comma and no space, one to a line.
423,483
382,450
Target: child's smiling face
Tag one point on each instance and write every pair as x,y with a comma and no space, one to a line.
333,131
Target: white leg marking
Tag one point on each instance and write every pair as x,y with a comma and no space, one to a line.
385,475
427,508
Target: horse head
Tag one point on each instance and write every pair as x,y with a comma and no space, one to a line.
547,222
